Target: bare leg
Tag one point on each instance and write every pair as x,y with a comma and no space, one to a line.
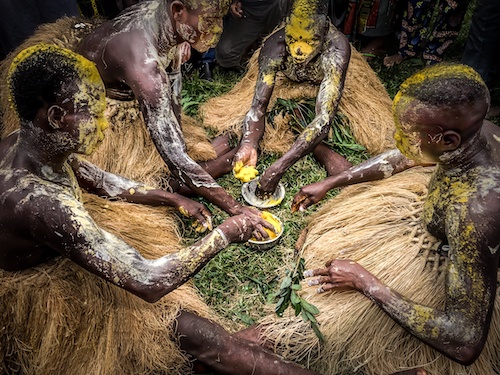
221,145
216,168
226,354
330,160
373,48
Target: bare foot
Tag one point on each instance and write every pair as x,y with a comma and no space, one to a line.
393,60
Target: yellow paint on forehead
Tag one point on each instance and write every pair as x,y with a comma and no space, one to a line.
443,71
436,72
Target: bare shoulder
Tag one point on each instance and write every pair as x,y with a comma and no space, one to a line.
274,46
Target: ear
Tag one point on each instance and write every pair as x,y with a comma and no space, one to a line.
177,8
451,140
55,116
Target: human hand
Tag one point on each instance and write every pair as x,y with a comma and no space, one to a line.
237,9
268,182
258,222
339,274
308,195
184,50
238,228
200,214
247,154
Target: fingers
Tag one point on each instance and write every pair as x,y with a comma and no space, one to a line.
325,288
298,202
319,280
208,218
316,272
259,231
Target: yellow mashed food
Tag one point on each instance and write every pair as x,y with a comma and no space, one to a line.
244,173
270,218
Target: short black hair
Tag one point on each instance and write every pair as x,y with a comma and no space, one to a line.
38,74
446,85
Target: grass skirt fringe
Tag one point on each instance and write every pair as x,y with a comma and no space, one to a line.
365,107
379,226
60,319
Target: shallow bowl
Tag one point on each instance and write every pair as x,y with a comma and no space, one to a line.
269,243
248,193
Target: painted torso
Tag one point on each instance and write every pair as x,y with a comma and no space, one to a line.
20,192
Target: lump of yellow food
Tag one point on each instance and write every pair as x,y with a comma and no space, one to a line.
270,218
244,173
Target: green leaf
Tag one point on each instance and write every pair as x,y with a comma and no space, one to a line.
287,281
294,298
309,307
318,333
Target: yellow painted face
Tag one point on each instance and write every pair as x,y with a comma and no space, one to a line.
303,31
90,104
415,128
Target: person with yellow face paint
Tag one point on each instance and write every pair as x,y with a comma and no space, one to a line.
307,49
440,119
138,55
59,97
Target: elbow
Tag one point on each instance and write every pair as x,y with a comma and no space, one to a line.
467,353
150,294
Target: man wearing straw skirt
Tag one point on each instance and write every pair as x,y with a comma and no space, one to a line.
138,55
308,49
440,118
60,99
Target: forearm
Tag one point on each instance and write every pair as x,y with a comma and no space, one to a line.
253,127
376,168
451,334
305,143
121,264
173,270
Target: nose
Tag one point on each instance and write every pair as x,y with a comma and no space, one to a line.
299,51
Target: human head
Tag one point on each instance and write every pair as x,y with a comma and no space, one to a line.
199,22
54,86
305,27
437,109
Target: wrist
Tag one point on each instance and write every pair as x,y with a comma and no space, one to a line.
223,237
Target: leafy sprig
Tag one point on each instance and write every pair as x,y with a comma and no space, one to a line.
288,295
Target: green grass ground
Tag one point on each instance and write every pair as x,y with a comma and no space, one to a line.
240,282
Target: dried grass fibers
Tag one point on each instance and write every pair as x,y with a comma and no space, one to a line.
378,225
61,319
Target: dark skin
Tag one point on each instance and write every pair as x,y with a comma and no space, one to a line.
142,62
321,59
461,209
43,217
